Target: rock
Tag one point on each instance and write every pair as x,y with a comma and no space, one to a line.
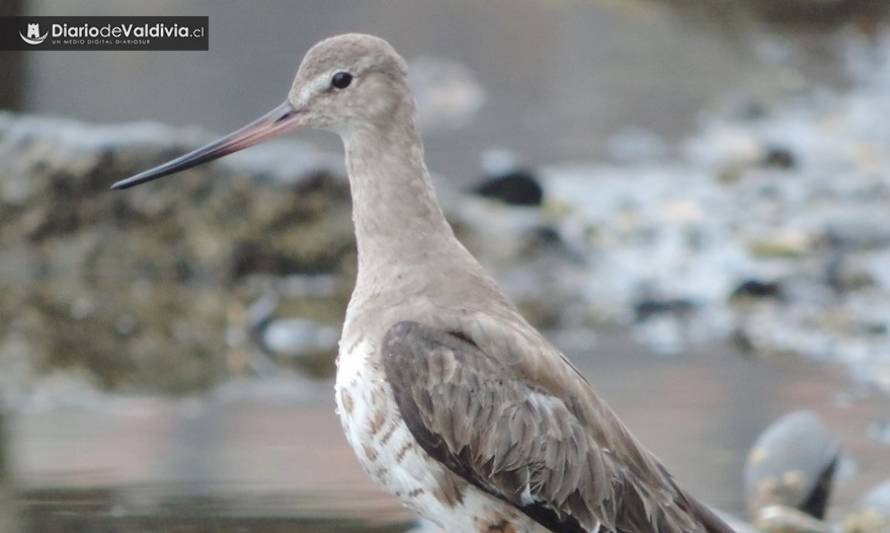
791,465
872,513
305,344
299,337
738,525
779,519
755,288
843,274
779,157
531,259
651,307
174,286
789,244
516,187
138,290
860,232
543,279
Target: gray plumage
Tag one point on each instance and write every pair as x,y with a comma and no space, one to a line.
480,390
450,399
531,447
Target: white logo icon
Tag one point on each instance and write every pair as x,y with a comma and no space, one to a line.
34,36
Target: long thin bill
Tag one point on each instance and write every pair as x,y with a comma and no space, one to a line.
281,119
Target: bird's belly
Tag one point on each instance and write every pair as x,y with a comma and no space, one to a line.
389,454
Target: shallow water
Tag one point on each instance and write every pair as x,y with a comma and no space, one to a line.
264,456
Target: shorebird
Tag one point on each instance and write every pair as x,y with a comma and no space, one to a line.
450,399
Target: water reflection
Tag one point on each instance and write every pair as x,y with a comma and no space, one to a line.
264,461
88,510
8,516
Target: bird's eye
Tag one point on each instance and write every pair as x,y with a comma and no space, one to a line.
341,80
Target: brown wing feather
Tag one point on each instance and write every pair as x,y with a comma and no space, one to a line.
522,444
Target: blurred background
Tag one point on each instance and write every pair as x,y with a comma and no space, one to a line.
690,197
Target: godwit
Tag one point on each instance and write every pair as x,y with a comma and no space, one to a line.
450,399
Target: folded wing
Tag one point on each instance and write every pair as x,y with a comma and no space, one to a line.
522,444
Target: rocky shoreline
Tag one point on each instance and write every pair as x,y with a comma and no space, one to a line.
769,228
238,267
137,291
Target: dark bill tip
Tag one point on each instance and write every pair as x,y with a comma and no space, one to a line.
280,120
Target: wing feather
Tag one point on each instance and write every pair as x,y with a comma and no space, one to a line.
524,445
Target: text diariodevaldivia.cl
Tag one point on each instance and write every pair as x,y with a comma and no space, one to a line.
137,31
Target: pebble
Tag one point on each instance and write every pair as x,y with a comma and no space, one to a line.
298,337
792,465
517,187
713,221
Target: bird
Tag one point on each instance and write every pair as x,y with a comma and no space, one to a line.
449,398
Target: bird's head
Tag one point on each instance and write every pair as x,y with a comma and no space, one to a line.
345,83
349,81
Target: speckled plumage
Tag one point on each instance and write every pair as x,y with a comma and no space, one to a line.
450,399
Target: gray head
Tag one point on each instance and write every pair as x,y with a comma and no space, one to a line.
348,82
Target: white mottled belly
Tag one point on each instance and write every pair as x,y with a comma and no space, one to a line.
389,454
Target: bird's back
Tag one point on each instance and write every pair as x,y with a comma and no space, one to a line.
459,307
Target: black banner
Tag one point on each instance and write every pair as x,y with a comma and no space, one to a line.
103,33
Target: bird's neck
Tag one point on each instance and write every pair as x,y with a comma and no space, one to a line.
398,221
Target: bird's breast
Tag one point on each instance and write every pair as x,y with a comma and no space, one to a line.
388,452
380,439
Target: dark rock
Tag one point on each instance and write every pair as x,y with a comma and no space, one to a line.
792,464
138,290
151,289
517,187
651,307
755,288
779,157
541,239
